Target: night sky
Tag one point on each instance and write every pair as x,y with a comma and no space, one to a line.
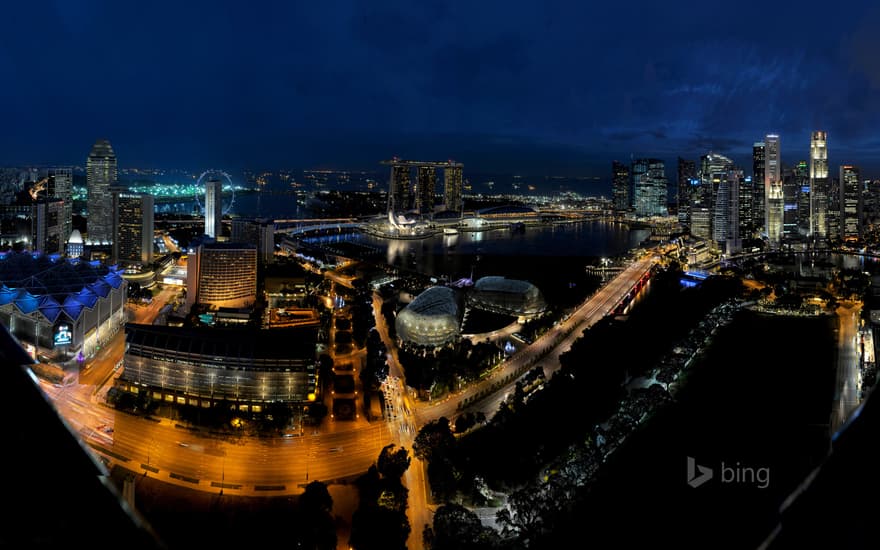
519,87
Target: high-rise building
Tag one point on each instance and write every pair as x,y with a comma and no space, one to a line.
400,195
701,221
732,237
716,195
426,181
452,184
214,208
620,186
404,197
802,183
850,203
649,187
101,174
34,225
132,227
833,216
746,207
259,232
773,195
790,193
60,186
758,202
818,185
222,275
687,173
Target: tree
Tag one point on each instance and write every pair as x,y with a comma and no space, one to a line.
457,528
393,463
434,438
316,527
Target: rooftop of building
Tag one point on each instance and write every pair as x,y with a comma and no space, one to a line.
436,300
279,343
497,283
51,284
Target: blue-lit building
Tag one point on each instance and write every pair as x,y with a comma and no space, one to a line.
53,304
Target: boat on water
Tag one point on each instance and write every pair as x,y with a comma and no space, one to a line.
450,231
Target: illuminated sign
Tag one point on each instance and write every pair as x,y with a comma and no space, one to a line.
62,335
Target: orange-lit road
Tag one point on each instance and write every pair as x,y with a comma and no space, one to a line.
554,343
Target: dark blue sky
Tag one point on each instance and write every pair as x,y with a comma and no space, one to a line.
532,88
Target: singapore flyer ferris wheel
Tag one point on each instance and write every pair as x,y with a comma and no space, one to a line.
227,185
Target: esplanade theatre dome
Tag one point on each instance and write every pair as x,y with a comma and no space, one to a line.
432,319
506,296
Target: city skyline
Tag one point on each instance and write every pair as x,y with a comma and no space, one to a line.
536,91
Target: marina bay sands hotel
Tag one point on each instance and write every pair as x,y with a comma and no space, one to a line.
417,195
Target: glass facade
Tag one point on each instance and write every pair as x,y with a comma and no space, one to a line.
101,174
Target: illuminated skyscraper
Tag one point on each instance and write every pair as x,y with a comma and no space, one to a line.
732,238
425,189
452,182
214,208
716,179
101,173
400,195
649,187
790,194
259,232
222,274
687,173
773,194
850,203
132,227
404,197
60,186
758,202
818,185
620,186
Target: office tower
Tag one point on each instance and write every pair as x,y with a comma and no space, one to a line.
818,185
746,206
452,182
832,216
802,183
132,227
759,202
790,193
687,173
214,207
716,194
399,194
101,174
425,183
850,203
732,239
48,226
701,221
34,225
60,186
773,196
223,275
649,187
620,186
259,232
